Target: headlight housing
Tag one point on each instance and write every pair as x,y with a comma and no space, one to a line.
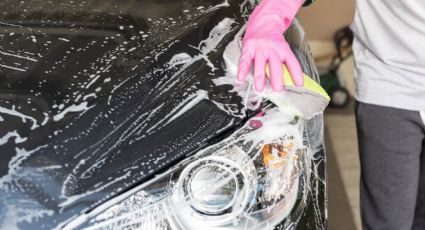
253,179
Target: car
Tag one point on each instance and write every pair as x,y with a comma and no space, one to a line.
122,115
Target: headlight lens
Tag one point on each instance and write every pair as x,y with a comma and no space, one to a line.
215,190
251,180
212,189
212,185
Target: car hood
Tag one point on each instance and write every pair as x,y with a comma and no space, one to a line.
98,96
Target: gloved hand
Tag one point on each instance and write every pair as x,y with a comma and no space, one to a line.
264,43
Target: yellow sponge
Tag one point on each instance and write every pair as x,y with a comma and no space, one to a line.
306,101
309,83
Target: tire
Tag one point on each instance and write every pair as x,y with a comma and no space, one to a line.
339,97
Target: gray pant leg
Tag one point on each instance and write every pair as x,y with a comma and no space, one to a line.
390,145
419,223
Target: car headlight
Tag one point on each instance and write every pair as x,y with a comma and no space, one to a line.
251,180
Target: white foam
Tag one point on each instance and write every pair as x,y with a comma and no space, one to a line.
92,81
89,95
7,136
71,199
200,95
15,215
73,108
18,56
218,6
13,68
14,163
24,117
179,59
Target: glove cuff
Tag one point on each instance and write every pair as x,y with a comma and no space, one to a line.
284,9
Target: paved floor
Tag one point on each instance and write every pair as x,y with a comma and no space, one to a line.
343,163
342,160
340,214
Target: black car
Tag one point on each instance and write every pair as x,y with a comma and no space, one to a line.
122,115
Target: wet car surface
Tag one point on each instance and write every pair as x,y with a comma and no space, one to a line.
98,97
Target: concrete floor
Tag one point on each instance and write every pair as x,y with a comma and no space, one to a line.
342,160
343,163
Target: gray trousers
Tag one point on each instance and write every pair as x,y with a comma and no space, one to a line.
392,152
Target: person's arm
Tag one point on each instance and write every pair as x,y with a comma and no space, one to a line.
264,43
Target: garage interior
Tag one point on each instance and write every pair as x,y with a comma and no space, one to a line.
341,137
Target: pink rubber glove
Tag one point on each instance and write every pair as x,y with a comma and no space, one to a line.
264,43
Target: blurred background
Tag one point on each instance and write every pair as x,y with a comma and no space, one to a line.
322,21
